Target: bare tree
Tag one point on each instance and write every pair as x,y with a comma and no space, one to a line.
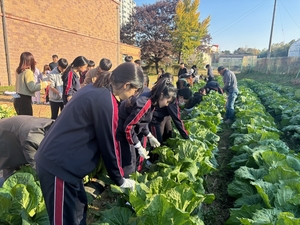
150,28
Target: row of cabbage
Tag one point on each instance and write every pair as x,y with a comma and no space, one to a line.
266,181
283,104
172,191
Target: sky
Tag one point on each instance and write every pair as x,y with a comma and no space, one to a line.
247,23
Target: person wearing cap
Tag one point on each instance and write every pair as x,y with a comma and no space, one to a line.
231,88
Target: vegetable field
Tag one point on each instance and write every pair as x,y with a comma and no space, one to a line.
262,173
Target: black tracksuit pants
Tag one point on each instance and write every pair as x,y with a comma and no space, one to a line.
131,160
23,105
55,106
66,203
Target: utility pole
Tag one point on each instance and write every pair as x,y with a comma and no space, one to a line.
5,42
270,41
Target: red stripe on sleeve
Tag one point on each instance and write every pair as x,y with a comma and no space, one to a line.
58,201
70,76
114,123
136,119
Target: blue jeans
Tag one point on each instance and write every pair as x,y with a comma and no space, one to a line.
230,105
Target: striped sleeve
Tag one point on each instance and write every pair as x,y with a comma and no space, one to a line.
69,84
106,126
142,106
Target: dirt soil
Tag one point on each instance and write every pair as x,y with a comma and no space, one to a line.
218,212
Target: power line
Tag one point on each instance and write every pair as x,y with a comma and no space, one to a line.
289,14
220,31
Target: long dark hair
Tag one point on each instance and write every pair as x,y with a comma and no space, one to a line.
26,62
127,73
77,62
163,88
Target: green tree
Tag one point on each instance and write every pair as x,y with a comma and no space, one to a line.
246,51
277,50
188,30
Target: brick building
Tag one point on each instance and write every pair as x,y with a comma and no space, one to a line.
67,28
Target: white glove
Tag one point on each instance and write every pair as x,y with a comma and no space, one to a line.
142,151
60,95
128,183
153,141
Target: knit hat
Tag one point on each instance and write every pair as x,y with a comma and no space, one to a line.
221,68
186,93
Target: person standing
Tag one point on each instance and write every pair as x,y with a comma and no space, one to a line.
45,74
38,77
182,69
71,77
53,64
20,137
161,71
195,75
91,66
56,88
210,74
26,85
91,75
84,132
231,88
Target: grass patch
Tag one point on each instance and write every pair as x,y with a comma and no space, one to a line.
283,79
7,88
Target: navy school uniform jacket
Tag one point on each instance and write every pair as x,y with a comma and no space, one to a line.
71,84
84,131
171,110
195,100
135,118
